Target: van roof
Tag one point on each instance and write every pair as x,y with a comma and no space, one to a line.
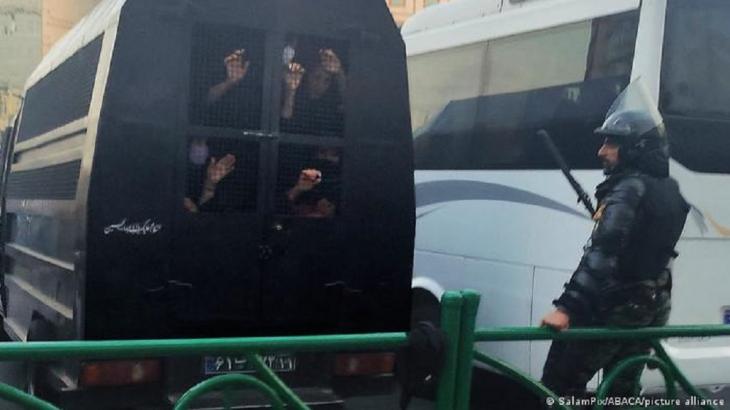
86,30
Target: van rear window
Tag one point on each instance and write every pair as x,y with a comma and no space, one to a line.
309,182
222,175
227,77
313,85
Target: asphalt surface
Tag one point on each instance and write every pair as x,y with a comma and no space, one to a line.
492,394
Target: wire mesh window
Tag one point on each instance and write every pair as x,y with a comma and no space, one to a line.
313,85
45,234
226,77
51,182
309,182
63,95
222,175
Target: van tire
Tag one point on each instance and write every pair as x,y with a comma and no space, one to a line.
425,307
40,330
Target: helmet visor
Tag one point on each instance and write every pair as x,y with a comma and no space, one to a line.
633,113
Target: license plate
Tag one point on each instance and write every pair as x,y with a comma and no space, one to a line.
726,316
239,364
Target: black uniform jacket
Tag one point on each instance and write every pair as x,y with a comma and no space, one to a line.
640,217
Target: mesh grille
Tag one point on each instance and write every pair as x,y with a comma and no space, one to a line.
50,236
53,182
309,182
315,78
222,175
227,77
64,95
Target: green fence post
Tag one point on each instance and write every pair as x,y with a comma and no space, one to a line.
270,378
450,322
465,361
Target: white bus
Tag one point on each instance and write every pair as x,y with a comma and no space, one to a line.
494,212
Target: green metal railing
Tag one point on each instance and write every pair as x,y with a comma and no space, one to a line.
267,382
661,359
458,318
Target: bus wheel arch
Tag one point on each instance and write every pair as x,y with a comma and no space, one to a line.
425,301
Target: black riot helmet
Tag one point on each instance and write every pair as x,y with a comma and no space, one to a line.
636,126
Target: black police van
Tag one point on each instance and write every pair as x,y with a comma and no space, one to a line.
209,168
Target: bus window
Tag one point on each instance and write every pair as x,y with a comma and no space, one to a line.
611,52
695,87
226,77
562,79
221,175
700,35
310,181
313,86
438,83
63,96
538,59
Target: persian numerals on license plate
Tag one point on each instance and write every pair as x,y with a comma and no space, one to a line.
240,364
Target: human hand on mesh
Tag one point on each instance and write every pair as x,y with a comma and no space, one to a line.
236,65
308,179
293,74
218,169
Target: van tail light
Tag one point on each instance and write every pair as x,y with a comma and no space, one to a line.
364,364
119,372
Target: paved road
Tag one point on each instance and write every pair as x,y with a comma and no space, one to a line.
502,396
13,372
386,403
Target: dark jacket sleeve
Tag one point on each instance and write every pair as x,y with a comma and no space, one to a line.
609,239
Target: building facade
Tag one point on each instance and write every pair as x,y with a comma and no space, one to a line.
28,29
402,9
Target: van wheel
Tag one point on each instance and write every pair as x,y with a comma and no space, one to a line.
40,330
426,307
492,390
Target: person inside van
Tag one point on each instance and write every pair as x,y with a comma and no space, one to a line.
205,173
317,189
236,64
313,97
235,100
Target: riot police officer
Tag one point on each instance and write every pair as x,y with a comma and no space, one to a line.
624,277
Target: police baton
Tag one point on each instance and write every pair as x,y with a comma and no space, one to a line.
583,197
